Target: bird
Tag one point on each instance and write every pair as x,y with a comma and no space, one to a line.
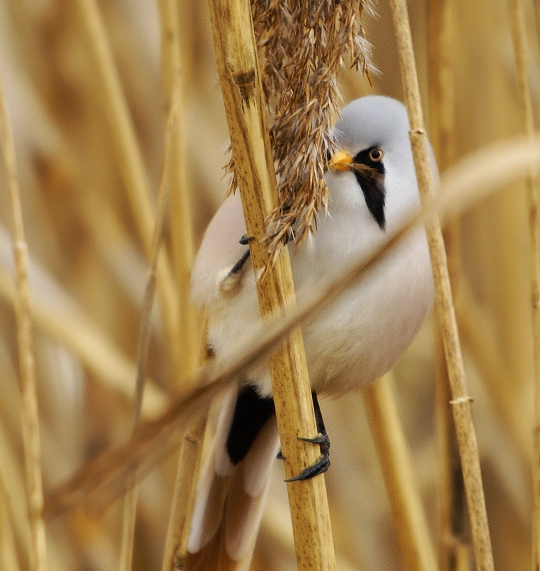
372,191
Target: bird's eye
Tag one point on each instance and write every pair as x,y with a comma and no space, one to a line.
376,155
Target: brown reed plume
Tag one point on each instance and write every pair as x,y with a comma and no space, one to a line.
302,48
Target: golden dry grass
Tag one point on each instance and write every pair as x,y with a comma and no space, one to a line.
88,244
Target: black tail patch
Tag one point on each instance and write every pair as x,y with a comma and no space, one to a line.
250,415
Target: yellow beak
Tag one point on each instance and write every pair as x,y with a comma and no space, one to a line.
340,161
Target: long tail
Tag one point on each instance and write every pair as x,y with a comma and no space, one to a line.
234,482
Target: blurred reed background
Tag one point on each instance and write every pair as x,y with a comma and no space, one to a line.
88,275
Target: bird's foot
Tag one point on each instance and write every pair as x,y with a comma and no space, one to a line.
322,439
322,464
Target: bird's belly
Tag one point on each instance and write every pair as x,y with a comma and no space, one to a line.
358,337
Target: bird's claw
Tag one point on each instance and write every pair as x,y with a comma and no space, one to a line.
322,464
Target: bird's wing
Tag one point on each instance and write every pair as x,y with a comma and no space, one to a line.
220,250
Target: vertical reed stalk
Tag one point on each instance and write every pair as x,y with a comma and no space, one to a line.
461,402
180,199
394,458
453,548
239,73
187,475
183,250
25,346
130,502
532,183
8,552
132,165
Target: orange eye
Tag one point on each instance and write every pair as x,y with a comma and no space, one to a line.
376,155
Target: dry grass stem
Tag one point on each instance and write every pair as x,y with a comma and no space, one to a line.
130,502
25,347
409,519
184,497
452,545
180,192
461,401
132,164
532,182
8,551
453,548
183,252
461,187
238,67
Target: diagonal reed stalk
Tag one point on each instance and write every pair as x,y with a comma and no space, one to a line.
453,545
408,516
87,342
468,446
239,72
180,198
25,346
462,186
129,154
532,185
130,501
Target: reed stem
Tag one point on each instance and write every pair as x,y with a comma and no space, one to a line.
130,502
532,185
25,346
239,72
408,515
131,162
461,402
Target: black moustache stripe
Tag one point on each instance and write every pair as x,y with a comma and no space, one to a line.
371,181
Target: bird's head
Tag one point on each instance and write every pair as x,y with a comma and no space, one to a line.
373,170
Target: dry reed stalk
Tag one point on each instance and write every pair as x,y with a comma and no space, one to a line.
461,402
187,476
88,343
8,552
25,346
132,165
238,67
180,199
183,251
408,516
276,524
473,179
532,184
130,502
453,553
453,545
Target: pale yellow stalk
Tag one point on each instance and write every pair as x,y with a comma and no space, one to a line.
130,502
8,551
172,69
532,182
415,544
453,544
461,401
238,67
125,143
25,346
